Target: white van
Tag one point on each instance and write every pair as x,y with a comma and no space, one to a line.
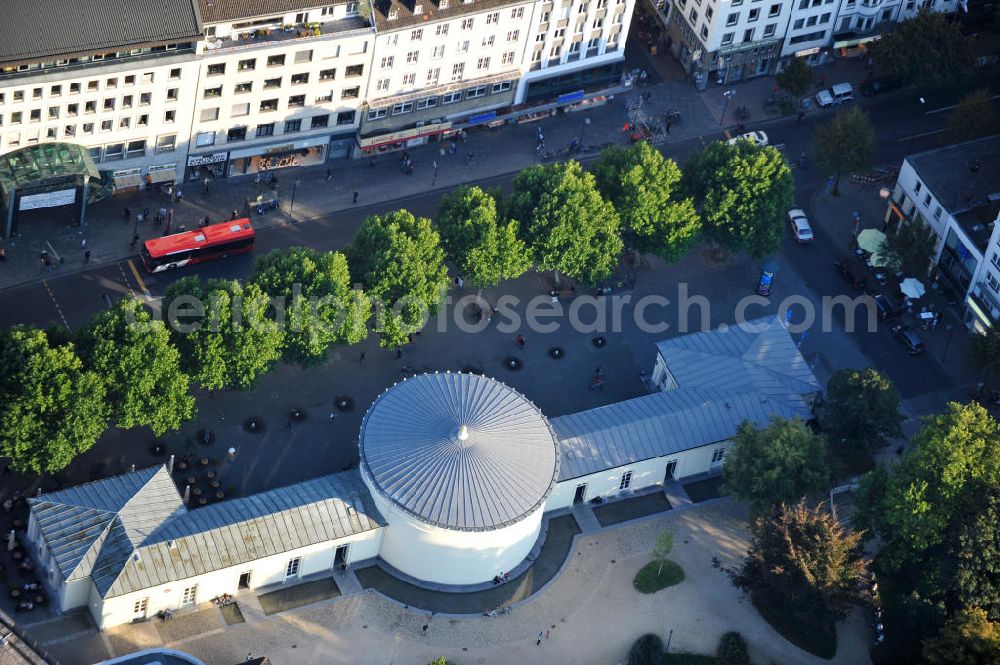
841,93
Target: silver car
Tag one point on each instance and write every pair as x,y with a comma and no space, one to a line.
800,226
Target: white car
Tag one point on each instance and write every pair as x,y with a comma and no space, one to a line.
800,226
840,93
758,138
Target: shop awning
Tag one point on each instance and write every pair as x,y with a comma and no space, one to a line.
163,175
126,181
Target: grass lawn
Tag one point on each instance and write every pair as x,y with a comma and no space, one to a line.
808,630
647,581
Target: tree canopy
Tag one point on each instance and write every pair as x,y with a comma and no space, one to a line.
645,189
780,463
803,558
238,340
569,227
399,259
318,307
984,351
926,49
132,353
845,144
796,77
969,638
485,249
744,191
953,459
910,249
861,410
974,117
51,408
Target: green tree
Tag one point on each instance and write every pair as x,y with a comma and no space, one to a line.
645,189
483,249
861,410
803,558
235,343
952,459
967,639
318,307
971,565
141,369
569,227
744,191
51,408
399,259
984,351
662,548
778,464
732,649
910,249
973,117
796,78
647,650
927,49
845,144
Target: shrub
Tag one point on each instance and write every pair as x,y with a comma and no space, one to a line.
732,650
647,650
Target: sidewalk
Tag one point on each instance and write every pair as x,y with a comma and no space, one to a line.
494,152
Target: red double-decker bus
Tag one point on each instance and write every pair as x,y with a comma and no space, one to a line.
215,241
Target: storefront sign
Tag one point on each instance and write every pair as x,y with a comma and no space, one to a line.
202,160
481,118
570,97
807,52
48,200
405,135
288,147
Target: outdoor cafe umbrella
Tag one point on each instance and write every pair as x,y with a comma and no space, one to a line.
871,240
912,288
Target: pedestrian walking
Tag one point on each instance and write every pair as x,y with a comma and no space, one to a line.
139,218
519,340
546,633
83,244
204,184
399,353
179,195
362,358
423,630
468,158
355,196
145,213
329,175
333,415
541,634
127,215
86,256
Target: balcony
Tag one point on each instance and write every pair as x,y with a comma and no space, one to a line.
245,40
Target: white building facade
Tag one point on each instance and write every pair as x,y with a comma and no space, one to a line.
456,474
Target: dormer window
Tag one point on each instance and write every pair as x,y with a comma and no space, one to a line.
393,13
418,9
443,4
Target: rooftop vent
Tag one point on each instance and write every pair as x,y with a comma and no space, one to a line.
172,544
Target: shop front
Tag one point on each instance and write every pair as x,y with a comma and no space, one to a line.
306,152
407,138
981,310
163,174
127,180
212,165
574,84
852,45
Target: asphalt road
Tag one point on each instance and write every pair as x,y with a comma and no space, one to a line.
71,299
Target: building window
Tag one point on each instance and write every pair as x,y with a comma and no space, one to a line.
452,97
319,121
272,83
107,125
190,595
412,56
114,152
774,11
175,73
416,35
927,199
212,92
387,62
377,114
166,143
303,56
478,91
488,41
328,74
207,115
727,38
143,120
626,481
799,22
484,63
239,110
753,15
299,79
400,109
203,139
354,70
464,47
517,13
457,71
292,126
508,58
275,60
409,79
169,116
769,29
503,86
296,101
109,104
382,85
492,18
441,30
467,24
748,35
70,131
292,569
266,129
350,93
717,455
427,102
433,75
217,70
146,98
242,88
345,118
236,134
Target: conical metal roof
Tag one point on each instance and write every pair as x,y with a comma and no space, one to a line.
459,451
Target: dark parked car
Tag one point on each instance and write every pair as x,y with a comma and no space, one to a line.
853,273
877,86
886,310
909,338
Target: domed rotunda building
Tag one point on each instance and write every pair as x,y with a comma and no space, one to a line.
460,467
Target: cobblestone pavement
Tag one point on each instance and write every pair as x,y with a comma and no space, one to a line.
590,612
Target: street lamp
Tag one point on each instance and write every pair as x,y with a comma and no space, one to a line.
913,130
728,96
291,205
586,121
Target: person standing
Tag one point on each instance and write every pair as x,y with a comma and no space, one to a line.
355,196
86,256
126,215
541,634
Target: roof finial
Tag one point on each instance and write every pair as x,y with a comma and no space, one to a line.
463,433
